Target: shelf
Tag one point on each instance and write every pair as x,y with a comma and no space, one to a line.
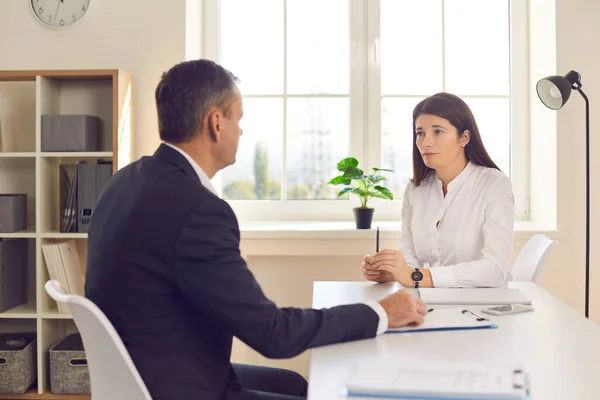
25,96
23,311
16,154
28,233
78,154
54,314
64,235
32,394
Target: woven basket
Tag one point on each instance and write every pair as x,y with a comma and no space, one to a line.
18,362
69,372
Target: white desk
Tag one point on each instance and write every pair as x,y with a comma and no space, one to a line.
559,348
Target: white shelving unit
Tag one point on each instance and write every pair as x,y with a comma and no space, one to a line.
24,168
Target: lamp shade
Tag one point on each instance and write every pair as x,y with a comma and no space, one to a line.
554,91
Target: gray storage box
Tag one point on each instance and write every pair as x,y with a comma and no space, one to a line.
13,273
69,372
13,212
18,362
70,133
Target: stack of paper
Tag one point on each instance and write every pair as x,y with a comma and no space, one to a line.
64,265
479,296
419,378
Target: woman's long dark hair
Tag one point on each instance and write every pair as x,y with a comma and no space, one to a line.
456,111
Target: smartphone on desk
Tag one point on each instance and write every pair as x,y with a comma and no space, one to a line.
508,309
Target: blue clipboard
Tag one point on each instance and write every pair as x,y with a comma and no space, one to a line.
449,319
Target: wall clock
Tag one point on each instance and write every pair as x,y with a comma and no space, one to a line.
60,14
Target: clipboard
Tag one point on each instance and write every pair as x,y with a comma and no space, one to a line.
449,319
387,377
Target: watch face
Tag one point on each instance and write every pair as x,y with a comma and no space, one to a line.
417,275
60,13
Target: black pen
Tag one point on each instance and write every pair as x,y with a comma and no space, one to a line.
377,242
430,310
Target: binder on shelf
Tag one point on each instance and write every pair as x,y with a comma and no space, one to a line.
13,273
91,179
86,195
81,186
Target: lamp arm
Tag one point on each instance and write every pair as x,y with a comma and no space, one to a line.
587,201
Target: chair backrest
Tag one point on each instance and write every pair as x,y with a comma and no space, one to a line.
112,373
528,264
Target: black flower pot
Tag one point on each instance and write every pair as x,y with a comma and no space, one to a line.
363,217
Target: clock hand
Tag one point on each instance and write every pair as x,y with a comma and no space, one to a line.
56,12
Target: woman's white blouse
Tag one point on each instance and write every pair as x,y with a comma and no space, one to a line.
466,238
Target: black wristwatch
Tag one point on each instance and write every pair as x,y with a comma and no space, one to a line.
417,277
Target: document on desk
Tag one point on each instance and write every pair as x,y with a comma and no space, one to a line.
448,319
418,378
474,296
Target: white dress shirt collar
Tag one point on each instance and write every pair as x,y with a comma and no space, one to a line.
459,180
204,179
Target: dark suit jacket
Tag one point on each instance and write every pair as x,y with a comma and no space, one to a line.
164,266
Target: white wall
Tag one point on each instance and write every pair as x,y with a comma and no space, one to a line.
577,33
143,37
148,37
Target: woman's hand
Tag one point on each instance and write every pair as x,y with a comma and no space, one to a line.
392,262
375,275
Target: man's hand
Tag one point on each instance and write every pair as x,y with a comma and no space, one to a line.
375,275
403,309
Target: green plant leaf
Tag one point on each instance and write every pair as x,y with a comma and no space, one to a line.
380,195
353,173
340,180
385,192
376,178
362,184
346,163
345,190
382,169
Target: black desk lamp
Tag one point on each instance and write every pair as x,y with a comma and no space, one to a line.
554,91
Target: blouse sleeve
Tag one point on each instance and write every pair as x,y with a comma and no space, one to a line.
407,245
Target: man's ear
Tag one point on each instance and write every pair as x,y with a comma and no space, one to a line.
214,121
465,138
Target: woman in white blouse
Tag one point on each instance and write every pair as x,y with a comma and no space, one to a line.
458,210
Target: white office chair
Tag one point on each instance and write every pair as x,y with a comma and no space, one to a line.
112,373
531,258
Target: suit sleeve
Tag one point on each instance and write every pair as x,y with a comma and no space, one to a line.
211,274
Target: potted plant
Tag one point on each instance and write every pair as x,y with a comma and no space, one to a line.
365,186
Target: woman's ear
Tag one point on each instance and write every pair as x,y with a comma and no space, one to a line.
465,138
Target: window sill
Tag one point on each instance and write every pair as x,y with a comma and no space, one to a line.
339,238
347,230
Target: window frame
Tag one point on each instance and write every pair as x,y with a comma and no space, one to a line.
365,115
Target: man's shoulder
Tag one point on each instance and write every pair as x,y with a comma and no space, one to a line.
157,182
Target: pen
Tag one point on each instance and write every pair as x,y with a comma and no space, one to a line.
477,316
377,242
430,310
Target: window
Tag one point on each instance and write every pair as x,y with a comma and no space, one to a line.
327,79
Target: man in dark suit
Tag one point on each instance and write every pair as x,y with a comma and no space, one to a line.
164,263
